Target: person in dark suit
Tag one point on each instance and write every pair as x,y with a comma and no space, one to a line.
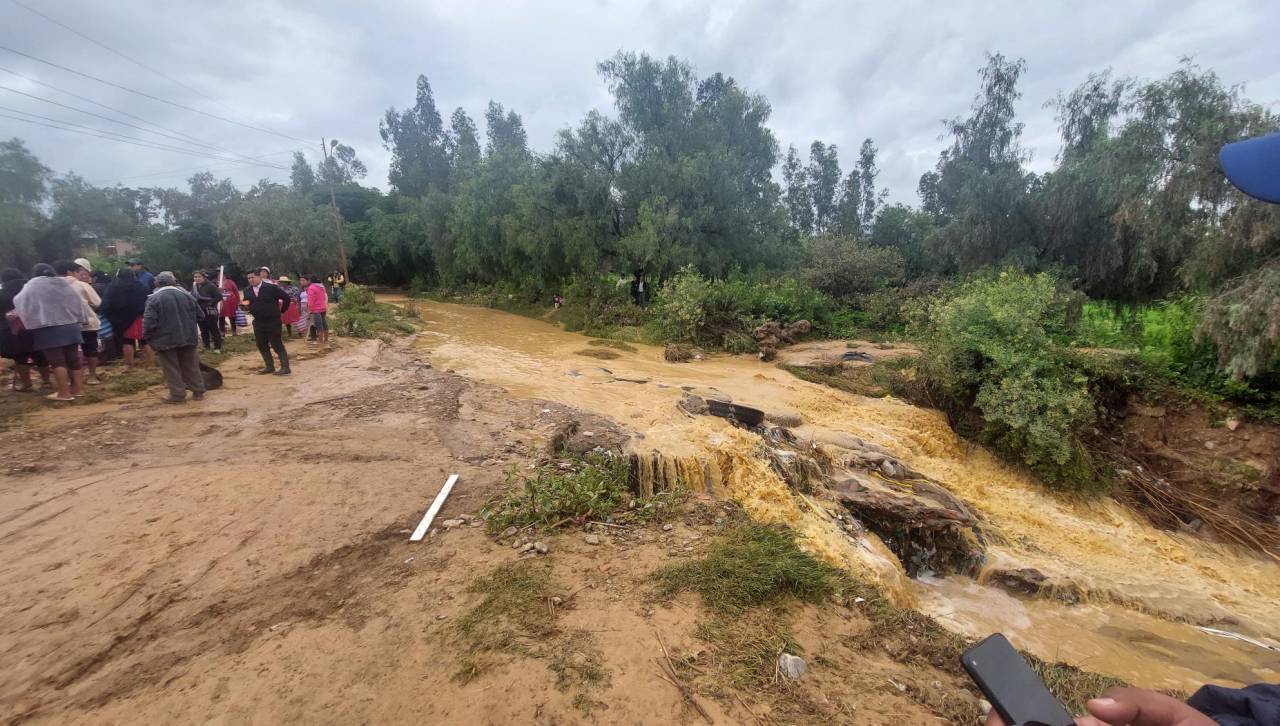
266,303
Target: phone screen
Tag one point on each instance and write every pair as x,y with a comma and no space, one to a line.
1013,689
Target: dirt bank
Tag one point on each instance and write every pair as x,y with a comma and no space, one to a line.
246,560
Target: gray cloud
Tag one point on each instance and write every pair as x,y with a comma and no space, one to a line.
836,71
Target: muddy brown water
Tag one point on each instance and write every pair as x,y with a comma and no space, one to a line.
1147,589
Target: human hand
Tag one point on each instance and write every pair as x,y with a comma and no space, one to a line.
1132,707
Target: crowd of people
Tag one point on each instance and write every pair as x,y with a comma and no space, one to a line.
65,320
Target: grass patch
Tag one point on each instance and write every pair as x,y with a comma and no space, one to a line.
747,644
514,607
598,353
617,344
560,491
753,565
515,617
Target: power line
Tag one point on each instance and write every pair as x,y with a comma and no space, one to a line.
187,170
107,118
148,95
126,114
100,44
112,136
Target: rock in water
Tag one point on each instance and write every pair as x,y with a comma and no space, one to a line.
792,666
693,405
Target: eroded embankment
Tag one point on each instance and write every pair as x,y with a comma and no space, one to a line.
1132,584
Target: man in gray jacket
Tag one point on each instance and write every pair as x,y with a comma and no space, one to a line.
169,325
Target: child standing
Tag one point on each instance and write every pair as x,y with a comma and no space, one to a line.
318,304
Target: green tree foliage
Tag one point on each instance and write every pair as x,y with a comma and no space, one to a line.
798,194
282,230
846,267
979,189
417,142
824,181
302,178
697,188
341,166
23,186
995,345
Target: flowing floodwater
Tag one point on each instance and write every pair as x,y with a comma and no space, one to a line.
1147,590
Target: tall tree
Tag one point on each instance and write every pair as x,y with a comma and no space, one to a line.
341,166
504,130
867,173
23,186
979,191
462,144
824,180
848,219
416,140
301,176
797,193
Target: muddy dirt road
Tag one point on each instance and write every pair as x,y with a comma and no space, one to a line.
245,560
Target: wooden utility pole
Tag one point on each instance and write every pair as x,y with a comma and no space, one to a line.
337,218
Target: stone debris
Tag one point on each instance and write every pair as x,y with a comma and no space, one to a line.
592,539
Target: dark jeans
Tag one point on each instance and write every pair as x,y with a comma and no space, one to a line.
209,330
267,335
181,367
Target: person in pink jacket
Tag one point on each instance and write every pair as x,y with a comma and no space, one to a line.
318,303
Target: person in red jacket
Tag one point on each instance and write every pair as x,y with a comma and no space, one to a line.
318,304
230,304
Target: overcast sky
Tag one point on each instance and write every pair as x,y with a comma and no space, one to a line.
836,71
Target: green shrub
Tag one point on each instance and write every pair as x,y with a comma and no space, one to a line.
360,315
690,308
598,306
844,268
994,345
567,489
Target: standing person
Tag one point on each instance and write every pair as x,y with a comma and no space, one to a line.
123,305
78,277
53,312
266,303
169,323
207,295
318,305
290,317
142,274
304,308
230,305
339,286
15,340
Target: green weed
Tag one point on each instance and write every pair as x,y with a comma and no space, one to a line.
753,565
564,490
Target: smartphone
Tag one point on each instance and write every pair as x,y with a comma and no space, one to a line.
1014,690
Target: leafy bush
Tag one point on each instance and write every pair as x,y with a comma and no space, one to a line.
843,267
360,315
994,345
721,313
598,306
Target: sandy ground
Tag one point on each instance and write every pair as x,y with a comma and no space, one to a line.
245,560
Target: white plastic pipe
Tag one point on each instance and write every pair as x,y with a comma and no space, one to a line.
425,524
